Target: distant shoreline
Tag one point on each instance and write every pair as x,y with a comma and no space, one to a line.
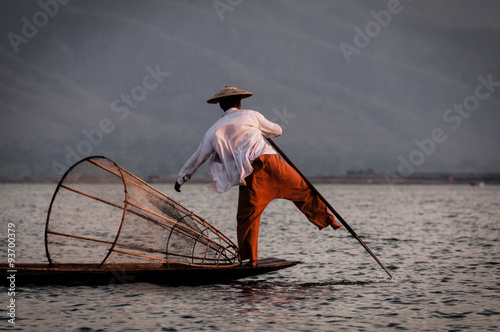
473,179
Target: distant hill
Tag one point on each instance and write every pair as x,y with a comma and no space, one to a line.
80,86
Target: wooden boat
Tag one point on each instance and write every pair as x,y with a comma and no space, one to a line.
164,274
105,225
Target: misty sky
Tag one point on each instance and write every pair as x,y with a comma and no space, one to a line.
395,86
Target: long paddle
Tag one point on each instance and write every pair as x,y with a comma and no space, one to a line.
353,233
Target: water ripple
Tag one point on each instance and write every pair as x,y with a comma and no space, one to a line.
441,242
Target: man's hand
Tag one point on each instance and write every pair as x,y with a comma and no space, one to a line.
177,187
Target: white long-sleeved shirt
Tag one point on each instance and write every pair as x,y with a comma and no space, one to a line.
233,142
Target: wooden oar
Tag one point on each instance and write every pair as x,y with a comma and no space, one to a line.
353,233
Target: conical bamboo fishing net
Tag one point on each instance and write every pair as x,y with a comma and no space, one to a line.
102,214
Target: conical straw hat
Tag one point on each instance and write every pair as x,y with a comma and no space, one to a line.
227,92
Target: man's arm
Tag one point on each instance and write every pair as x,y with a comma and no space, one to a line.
201,155
269,129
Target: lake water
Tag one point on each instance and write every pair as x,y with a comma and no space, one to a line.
441,242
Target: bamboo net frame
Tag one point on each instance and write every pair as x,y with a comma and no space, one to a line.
102,214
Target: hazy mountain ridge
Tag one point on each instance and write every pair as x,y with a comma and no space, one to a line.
345,116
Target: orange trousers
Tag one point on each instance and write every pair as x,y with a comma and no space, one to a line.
273,178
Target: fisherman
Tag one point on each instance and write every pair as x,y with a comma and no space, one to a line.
239,155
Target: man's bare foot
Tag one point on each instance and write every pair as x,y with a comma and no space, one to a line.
250,263
335,224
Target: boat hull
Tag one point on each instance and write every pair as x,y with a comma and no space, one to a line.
92,274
